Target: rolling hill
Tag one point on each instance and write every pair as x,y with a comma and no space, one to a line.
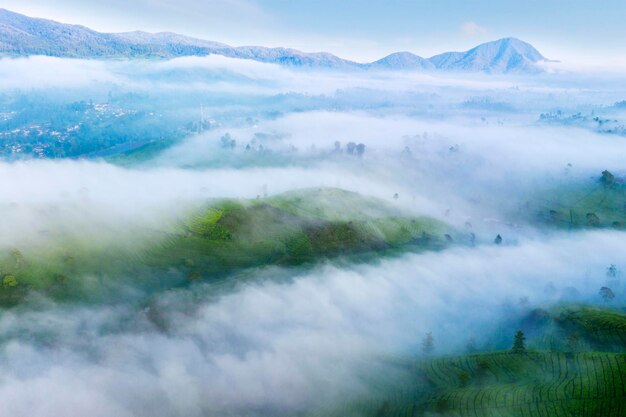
215,241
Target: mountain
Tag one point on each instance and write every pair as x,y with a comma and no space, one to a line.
25,36
504,55
403,61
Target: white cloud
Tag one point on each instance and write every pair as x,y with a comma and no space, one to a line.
473,29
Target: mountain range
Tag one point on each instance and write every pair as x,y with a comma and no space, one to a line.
21,35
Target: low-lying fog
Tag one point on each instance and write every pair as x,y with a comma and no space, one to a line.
281,347
462,149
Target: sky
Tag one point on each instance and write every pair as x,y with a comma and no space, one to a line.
577,31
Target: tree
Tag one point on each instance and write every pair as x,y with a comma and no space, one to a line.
498,240
607,178
611,271
360,149
18,257
9,281
428,344
351,147
227,142
607,294
612,276
519,345
593,219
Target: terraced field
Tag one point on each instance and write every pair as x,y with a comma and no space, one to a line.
576,328
533,384
603,329
536,383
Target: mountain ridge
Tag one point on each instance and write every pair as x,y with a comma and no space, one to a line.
21,35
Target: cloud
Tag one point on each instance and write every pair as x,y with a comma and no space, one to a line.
473,29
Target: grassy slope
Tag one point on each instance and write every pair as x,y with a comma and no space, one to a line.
291,229
576,328
218,239
589,205
141,154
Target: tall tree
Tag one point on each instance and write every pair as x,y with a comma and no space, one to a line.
519,345
428,344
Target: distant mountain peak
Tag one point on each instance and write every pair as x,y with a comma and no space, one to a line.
24,36
403,60
501,56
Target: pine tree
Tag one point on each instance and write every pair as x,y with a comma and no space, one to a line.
428,344
518,344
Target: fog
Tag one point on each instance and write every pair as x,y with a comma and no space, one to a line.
278,346
470,151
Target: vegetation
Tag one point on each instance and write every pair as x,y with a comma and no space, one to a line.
600,203
519,345
428,344
520,382
218,239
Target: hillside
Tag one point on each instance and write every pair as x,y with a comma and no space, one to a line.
216,240
596,203
530,384
588,381
576,328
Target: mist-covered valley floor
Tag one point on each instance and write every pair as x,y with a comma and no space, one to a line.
219,237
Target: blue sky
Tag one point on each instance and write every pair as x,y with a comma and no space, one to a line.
573,30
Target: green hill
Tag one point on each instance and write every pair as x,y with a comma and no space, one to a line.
215,240
576,328
591,204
